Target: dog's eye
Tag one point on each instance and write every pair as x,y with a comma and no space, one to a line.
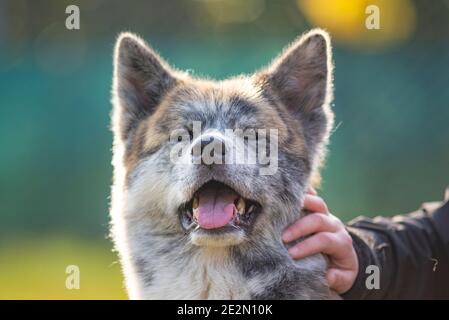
189,131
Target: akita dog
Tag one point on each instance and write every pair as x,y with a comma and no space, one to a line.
212,230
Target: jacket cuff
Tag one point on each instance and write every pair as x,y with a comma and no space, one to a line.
365,257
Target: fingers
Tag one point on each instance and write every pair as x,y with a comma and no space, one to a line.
327,235
313,245
315,204
312,191
336,245
312,223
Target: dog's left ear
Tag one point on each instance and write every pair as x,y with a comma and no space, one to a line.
302,80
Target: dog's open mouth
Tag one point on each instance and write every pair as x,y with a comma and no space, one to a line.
216,210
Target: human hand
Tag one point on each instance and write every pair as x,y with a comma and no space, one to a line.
328,235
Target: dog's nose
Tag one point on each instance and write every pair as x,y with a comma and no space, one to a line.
211,150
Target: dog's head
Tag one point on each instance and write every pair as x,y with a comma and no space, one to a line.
222,161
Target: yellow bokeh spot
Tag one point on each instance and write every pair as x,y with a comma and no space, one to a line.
346,20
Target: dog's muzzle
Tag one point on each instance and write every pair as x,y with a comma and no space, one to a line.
218,215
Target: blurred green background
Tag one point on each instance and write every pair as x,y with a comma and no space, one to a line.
389,153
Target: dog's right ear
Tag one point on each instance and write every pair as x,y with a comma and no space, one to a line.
301,78
141,78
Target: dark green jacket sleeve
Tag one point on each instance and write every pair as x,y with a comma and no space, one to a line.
411,251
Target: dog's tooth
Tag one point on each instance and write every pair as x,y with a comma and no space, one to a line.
241,205
195,214
195,203
251,209
237,219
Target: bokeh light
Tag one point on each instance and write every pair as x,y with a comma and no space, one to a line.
389,154
345,20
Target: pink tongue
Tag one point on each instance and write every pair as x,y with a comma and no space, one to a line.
215,208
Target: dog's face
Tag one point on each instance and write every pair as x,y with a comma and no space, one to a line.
223,162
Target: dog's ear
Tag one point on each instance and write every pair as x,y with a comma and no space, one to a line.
141,78
301,77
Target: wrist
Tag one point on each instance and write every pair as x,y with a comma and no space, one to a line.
357,290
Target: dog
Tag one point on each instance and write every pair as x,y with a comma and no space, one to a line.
186,230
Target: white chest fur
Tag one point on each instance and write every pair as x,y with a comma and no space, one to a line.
209,274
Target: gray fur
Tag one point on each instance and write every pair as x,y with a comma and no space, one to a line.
150,100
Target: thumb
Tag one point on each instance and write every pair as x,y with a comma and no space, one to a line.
339,280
